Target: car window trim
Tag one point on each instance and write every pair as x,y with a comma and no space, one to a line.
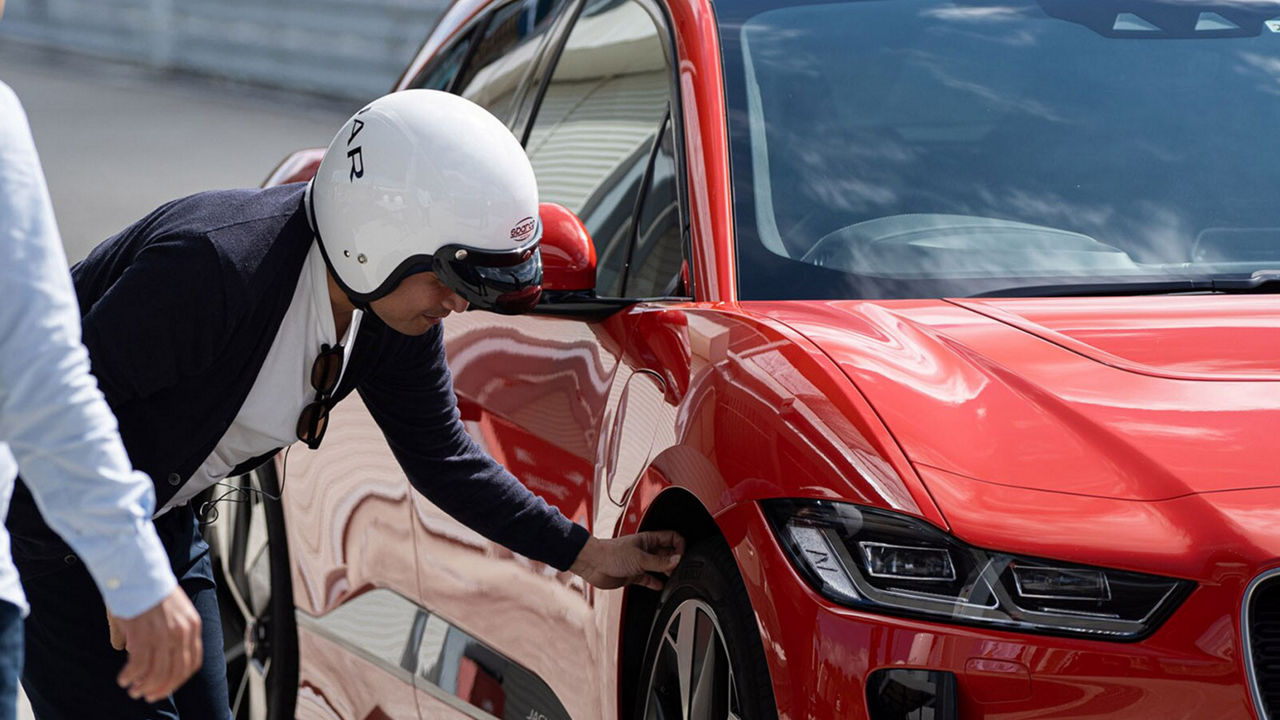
534,86
675,109
646,180
476,35
474,30
515,118
464,33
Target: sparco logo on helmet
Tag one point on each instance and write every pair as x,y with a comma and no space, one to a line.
353,153
523,230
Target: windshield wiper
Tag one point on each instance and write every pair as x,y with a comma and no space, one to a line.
1262,281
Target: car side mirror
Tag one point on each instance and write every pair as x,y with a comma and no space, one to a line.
568,255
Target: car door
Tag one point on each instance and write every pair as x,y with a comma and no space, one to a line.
542,392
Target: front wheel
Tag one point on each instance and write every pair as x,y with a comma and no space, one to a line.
704,659
255,596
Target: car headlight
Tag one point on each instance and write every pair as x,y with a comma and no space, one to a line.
886,562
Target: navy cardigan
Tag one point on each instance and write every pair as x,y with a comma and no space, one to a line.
179,311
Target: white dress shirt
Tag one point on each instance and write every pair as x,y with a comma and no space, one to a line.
268,419
55,426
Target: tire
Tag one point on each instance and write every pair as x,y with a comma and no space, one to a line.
255,596
704,614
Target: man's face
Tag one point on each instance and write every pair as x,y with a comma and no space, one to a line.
417,304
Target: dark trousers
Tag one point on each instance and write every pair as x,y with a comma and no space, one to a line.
10,658
71,668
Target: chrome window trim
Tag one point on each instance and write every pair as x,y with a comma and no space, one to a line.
1246,649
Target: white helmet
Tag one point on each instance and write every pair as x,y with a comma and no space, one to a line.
424,180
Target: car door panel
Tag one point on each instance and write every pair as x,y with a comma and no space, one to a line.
534,392
353,477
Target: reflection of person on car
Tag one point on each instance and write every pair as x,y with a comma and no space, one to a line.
226,325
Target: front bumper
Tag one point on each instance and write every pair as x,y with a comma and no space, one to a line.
821,655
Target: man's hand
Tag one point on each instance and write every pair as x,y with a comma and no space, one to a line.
164,647
629,559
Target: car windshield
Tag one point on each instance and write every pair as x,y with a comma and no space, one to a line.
926,148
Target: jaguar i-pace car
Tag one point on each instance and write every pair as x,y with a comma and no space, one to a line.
946,332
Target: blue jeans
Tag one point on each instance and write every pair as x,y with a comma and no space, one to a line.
10,658
71,668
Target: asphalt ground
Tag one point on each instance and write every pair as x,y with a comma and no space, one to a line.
117,140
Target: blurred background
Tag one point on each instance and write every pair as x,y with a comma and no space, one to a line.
345,48
135,102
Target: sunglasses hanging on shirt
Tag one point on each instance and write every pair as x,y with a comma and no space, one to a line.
325,371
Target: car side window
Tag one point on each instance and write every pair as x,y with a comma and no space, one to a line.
591,140
504,53
654,265
440,74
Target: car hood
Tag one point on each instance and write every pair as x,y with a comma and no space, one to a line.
1136,398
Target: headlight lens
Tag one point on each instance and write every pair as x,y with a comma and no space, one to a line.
891,563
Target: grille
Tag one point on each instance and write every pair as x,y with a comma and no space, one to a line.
1263,623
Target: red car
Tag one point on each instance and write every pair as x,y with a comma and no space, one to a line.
945,330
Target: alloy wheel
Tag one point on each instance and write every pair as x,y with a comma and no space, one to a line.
692,676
